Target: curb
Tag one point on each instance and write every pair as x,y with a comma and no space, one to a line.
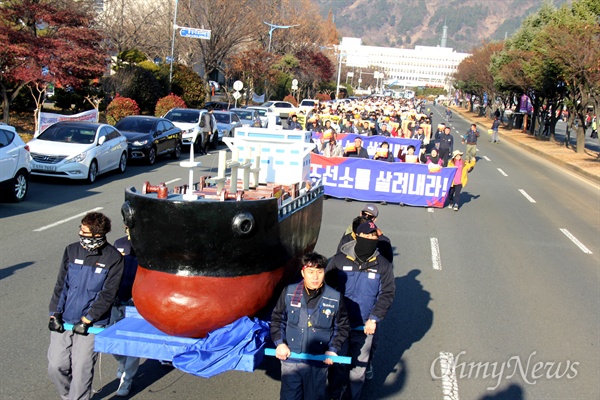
594,178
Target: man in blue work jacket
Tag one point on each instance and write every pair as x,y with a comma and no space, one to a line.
84,293
366,279
309,317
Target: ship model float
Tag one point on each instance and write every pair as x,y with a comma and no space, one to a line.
223,247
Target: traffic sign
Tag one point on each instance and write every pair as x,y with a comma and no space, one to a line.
236,95
294,82
238,85
195,33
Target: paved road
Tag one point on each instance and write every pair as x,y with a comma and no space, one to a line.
512,291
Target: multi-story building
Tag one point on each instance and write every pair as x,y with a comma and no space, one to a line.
418,67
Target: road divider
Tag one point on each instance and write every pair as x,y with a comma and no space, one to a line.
528,197
435,254
576,241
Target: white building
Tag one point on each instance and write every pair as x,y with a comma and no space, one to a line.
421,66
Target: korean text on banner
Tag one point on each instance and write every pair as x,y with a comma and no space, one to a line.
370,180
47,119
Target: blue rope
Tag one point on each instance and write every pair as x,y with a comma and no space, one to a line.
93,329
312,357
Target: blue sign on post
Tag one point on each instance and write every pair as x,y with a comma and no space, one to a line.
195,33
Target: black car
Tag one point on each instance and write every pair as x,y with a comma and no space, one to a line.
148,137
218,105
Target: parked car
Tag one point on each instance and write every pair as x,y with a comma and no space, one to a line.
15,164
227,122
307,105
218,105
188,120
281,108
248,117
149,137
78,150
264,113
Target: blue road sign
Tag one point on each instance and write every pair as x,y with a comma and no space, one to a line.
195,33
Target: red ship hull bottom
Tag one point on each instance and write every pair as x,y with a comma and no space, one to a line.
192,306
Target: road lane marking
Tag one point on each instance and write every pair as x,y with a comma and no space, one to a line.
173,180
430,209
435,254
528,197
486,158
62,221
576,241
449,381
503,173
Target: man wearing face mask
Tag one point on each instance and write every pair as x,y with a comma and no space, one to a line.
366,279
85,290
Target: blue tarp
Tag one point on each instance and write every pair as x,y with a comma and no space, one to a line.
237,346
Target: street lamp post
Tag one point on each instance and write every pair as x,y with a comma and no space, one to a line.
173,44
337,88
271,29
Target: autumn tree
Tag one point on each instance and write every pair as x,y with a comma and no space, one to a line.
314,68
253,68
232,25
330,33
36,35
572,46
514,68
146,27
473,74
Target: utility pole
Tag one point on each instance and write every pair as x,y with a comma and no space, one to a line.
173,44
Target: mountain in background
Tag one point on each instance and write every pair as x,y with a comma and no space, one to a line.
406,23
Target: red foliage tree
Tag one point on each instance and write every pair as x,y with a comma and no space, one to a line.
47,41
120,108
322,97
291,99
313,69
168,102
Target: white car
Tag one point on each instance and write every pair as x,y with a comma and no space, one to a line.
188,120
248,117
78,150
281,108
15,164
307,105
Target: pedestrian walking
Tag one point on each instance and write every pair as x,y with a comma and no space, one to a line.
366,279
495,127
460,178
470,138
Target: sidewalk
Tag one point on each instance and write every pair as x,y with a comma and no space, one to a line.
586,164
